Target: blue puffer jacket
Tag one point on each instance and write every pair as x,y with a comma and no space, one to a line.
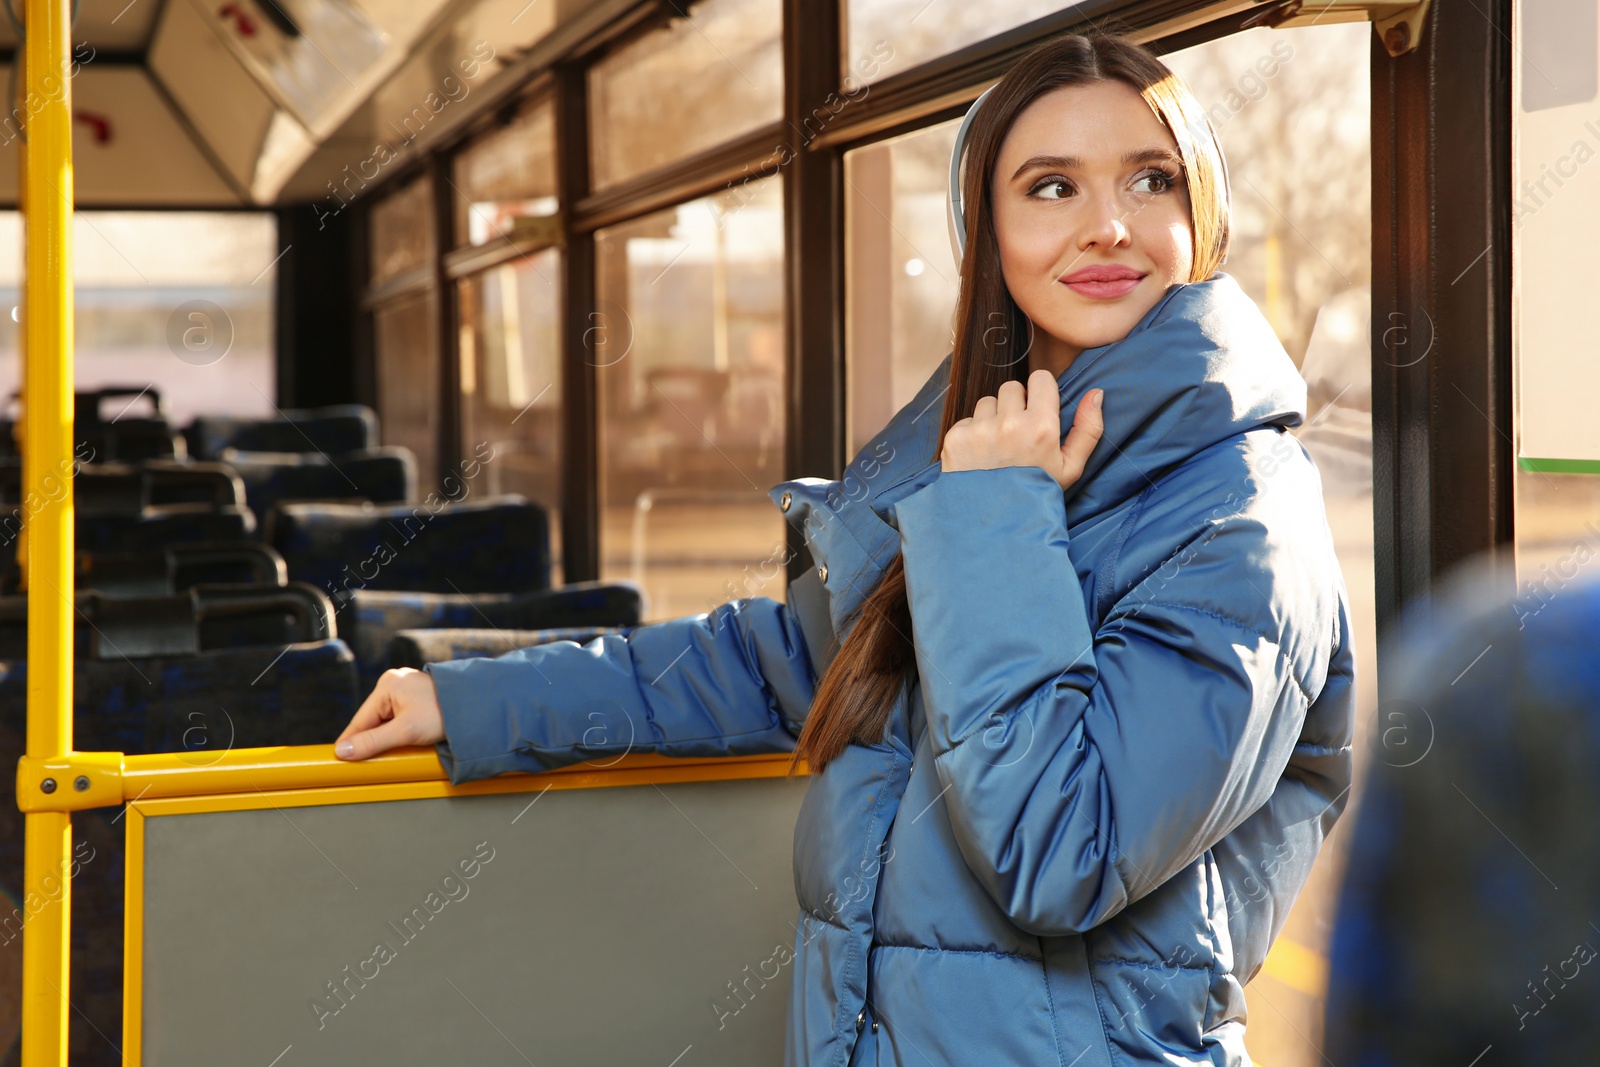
1128,734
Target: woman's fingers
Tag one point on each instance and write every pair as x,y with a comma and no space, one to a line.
1021,427
1011,399
396,732
1087,426
1044,401
403,709
378,708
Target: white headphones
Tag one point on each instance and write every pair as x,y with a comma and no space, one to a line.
957,218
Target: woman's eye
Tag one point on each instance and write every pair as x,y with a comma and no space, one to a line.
1051,189
1163,181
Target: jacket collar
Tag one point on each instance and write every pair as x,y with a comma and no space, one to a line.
1201,366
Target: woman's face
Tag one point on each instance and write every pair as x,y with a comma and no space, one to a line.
1092,214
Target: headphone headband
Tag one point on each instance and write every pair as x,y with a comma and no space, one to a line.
957,217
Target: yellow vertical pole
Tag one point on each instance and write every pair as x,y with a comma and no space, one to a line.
47,512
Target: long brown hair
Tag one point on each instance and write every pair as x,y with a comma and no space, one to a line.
992,338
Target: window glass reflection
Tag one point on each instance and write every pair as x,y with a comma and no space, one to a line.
399,231
511,381
505,179
883,37
408,379
703,80
688,340
901,274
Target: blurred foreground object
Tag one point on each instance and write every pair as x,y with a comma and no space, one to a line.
1467,929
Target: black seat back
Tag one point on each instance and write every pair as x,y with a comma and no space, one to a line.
119,436
203,618
331,430
496,545
380,475
178,567
371,622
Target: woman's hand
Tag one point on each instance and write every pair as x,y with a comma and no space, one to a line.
403,709
1015,429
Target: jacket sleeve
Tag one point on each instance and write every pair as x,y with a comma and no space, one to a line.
733,681
1083,769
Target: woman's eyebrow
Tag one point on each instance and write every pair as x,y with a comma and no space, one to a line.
1152,154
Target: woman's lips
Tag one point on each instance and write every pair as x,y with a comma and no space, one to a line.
1104,290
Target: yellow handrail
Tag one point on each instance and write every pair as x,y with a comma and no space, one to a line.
103,779
46,199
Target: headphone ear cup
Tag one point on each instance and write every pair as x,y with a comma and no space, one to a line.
956,217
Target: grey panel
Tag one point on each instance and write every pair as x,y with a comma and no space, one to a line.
1560,64
607,926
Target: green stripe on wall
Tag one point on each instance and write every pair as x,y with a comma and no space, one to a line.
1559,466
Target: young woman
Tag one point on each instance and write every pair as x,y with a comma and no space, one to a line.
1090,718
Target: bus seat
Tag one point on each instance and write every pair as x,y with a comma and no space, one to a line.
179,567
198,705
125,488
158,526
132,439
203,618
370,622
102,422
496,545
160,572
334,429
381,475
417,648
188,482
126,440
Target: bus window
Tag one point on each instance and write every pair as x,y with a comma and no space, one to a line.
687,339
899,258
703,80
884,37
504,188
506,175
404,330
400,240
403,334
511,381
181,300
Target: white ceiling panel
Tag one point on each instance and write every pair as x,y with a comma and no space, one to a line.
128,147
223,103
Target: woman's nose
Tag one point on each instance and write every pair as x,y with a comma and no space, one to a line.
1106,227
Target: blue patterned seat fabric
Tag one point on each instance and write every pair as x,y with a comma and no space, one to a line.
381,475
495,545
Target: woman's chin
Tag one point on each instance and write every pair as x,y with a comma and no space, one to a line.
1107,329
